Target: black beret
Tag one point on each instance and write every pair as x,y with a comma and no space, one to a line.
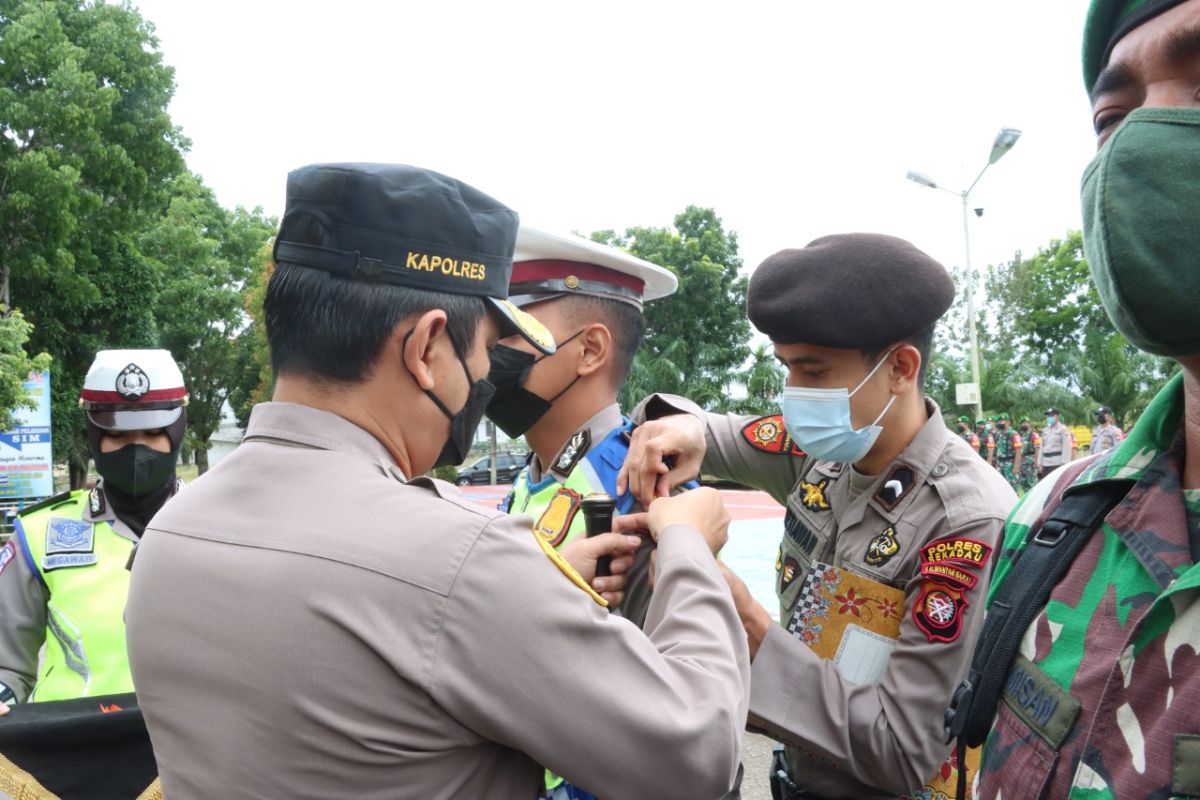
854,291
407,226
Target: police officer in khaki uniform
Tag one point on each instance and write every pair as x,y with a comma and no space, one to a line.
878,492
1058,445
316,620
591,297
1106,435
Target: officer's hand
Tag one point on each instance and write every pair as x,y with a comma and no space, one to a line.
3,709
754,617
646,473
701,509
582,553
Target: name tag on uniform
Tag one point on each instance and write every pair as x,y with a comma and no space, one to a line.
69,543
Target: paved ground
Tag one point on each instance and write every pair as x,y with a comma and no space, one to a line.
756,759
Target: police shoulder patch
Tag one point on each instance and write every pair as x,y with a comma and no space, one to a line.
555,522
939,610
770,436
956,550
567,569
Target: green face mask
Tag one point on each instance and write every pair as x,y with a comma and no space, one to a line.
1141,228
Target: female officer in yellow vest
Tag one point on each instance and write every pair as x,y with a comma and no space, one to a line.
64,574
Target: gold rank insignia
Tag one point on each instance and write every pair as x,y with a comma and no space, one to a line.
814,495
881,549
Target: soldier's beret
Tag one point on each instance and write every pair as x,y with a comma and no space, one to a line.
1107,23
854,291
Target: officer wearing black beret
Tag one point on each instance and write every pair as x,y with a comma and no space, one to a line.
891,519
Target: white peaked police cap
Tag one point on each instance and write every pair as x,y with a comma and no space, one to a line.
133,390
548,265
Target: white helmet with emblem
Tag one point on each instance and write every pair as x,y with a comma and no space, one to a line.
133,390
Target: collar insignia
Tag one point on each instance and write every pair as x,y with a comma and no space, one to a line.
570,455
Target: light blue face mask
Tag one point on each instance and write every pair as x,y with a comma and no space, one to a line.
819,421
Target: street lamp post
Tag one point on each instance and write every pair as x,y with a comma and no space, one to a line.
1004,142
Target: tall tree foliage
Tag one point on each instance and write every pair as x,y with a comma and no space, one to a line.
86,152
15,366
205,256
253,380
697,339
1044,340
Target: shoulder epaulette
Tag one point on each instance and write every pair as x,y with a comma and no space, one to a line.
49,502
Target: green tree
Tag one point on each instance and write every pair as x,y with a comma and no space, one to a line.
253,381
700,334
86,151
205,256
15,366
1050,343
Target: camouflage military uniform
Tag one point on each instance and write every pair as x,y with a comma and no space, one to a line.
1027,476
1008,449
1102,700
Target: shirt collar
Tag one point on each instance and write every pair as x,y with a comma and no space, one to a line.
292,423
599,426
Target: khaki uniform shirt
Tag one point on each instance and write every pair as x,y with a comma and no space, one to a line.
1105,438
1056,446
846,739
304,622
23,600
637,591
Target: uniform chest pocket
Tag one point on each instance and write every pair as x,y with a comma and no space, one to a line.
795,558
1033,719
884,552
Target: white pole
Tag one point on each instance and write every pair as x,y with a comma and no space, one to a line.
966,196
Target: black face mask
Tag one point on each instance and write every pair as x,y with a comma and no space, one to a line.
136,469
1024,429
463,424
514,408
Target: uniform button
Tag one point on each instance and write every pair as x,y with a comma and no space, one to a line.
940,470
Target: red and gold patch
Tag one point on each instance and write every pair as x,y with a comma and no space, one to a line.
769,435
950,574
956,550
555,522
939,610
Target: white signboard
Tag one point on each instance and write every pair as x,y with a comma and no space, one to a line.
26,466
967,394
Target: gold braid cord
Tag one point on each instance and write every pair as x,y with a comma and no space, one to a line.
20,785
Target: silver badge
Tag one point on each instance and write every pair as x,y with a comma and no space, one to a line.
133,383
